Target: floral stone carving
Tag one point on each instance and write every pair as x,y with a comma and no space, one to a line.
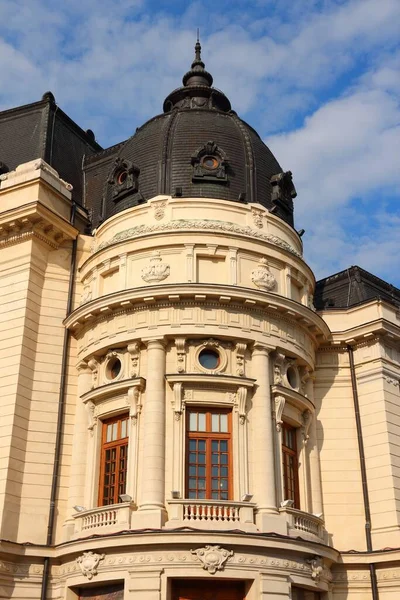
262,277
88,563
212,557
156,270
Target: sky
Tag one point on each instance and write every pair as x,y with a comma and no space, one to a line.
318,79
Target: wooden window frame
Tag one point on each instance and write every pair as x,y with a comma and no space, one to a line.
209,436
118,444
288,482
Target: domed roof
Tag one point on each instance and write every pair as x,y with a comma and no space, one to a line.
198,147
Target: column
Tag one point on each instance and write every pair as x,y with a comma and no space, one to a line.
315,467
153,468
263,445
78,479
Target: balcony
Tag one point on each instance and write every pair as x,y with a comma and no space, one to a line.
211,514
304,525
103,519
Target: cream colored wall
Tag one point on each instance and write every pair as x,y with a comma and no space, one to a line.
35,311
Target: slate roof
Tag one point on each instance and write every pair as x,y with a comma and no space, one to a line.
43,130
163,150
351,287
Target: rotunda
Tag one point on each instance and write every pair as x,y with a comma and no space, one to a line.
195,458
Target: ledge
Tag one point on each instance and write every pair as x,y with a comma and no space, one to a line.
111,389
229,380
228,295
293,397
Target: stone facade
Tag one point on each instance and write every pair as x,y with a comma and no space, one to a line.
154,286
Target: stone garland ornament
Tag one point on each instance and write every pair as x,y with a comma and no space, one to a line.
196,224
157,270
212,557
88,563
262,277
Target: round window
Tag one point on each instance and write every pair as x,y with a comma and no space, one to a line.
210,162
114,368
209,359
292,377
121,178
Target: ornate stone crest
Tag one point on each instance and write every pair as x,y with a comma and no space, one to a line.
262,277
257,217
156,270
88,563
212,557
316,565
159,209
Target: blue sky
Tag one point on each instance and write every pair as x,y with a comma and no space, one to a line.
318,79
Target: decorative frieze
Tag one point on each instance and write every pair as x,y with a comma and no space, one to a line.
196,225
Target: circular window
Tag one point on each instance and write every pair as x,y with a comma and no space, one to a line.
114,368
121,178
210,162
209,359
292,377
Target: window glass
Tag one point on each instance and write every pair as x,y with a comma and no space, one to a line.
114,460
208,455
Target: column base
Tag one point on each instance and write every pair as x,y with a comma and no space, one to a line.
271,523
149,519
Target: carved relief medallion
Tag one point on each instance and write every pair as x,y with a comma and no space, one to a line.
156,270
88,563
212,557
262,277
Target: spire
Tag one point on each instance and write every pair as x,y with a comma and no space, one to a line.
197,91
197,74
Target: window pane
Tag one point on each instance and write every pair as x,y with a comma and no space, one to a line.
109,433
193,421
201,484
192,470
223,446
224,459
223,484
201,459
202,445
215,484
192,444
201,495
224,471
201,471
192,484
192,457
224,495
202,422
192,494
214,446
215,422
114,431
123,428
215,471
224,423
214,459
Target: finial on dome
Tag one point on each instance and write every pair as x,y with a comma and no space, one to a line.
197,74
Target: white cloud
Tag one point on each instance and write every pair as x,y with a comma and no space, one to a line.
348,149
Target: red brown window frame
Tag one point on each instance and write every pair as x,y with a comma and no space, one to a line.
209,436
121,445
290,455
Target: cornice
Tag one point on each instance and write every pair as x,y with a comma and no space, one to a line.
114,389
293,397
243,298
33,220
214,380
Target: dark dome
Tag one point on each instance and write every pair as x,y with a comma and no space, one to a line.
198,148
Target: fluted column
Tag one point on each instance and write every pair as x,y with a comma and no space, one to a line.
263,438
153,478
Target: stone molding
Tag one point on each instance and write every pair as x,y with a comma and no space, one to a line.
196,225
88,563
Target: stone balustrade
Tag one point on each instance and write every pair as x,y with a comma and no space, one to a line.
211,514
305,525
103,519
